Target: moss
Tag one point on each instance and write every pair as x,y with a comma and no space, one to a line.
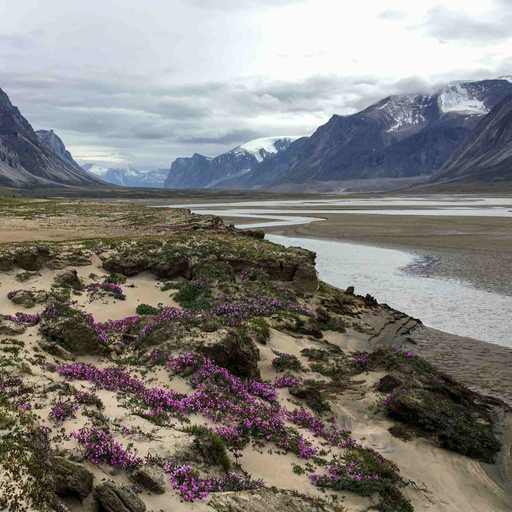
146,309
283,362
211,446
194,295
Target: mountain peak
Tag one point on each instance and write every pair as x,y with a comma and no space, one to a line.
4,100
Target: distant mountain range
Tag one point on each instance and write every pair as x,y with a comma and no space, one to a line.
460,133
225,170
129,177
400,136
29,158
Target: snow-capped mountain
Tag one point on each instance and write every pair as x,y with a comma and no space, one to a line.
399,136
129,177
199,171
486,155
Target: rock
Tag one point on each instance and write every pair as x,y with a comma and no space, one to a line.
6,262
305,279
151,478
350,290
266,500
176,267
71,330
453,424
388,383
69,279
128,265
71,479
55,350
31,258
235,352
112,498
28,298
10,328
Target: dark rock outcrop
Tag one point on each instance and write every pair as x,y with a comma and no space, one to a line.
72,330
112,498
69,279
150,478
235,352
71,479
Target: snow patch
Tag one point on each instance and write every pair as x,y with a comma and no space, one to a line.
457,98
406,111
264,146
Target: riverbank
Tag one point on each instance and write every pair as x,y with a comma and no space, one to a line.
162,359
473,249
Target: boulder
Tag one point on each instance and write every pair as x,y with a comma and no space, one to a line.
31,258
69,279
6,262
236,352
305,279
128,265
71,479
171,269
9,327
28,298
151,478
388,383
72,330
112,498
455,426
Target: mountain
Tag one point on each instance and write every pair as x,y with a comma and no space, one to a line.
129,177
199,171
29,158
400,136
486,155
403,136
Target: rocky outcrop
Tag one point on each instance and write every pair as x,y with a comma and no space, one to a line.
71,479
70,329
235,352
151,478
28,298
31,258
69,279
112,498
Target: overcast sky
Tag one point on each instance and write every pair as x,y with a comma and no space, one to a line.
140,82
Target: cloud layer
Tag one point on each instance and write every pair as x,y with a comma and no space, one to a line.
142,83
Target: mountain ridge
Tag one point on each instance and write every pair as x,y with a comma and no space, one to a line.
30,158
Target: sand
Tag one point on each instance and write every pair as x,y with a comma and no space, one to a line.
444,481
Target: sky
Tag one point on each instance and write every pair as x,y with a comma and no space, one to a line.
142,82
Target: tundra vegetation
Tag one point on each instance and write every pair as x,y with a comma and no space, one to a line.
111,396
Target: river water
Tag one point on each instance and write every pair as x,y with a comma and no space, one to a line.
449,305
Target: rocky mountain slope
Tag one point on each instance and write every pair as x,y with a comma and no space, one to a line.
129,177
29,158
200,171
486,155
183,365
399,137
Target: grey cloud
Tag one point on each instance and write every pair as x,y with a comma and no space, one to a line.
235,137
455,25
